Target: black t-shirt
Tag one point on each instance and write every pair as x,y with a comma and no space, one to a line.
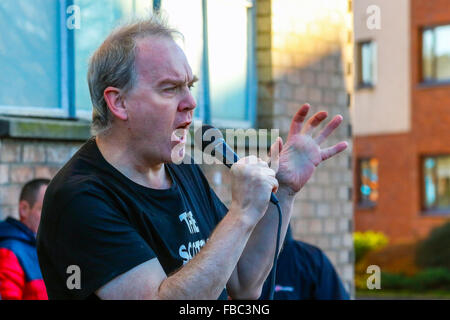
98,220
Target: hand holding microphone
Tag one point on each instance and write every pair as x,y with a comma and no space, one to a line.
251,186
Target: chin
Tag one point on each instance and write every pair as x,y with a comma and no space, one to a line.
177,153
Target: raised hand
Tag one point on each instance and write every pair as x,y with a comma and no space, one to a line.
302,153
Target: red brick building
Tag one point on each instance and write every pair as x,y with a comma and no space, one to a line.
401,116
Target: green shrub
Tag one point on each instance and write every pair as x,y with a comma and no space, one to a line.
367,241
429,279
434,251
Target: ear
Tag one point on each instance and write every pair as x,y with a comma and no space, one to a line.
24,209
115,102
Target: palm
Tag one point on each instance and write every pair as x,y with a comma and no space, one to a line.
302,152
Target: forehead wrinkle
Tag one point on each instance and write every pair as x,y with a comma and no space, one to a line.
161,58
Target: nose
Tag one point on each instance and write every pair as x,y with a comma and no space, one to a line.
187,103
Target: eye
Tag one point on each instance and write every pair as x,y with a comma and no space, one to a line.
171,89
191,86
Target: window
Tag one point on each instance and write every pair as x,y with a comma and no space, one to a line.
368,182
367,64
29,60
436,183
436,54
222,57
98,18
48,61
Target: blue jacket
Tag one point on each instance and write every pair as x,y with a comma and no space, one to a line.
304,273
20,275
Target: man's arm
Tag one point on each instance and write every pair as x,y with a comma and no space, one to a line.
203,277
260,249
206,275
296,164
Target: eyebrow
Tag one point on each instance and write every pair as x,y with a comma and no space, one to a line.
177,81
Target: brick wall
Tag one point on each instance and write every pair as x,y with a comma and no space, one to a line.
303,55
399,211
22,160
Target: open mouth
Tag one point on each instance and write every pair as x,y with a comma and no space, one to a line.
180,133
184,125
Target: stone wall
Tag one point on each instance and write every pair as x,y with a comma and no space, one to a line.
304,51
24,159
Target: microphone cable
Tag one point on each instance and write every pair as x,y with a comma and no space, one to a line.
273,272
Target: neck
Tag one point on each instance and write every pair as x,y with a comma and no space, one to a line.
125,157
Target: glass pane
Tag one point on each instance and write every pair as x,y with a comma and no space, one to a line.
186,17
227,54
98,18
29,48
443,182
427,54
443,53
437,182
430,182
367,63
369,181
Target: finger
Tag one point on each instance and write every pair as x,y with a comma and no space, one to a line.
314,121
274,154
297,121
331,151
274,183
330,127
262,163
251,159
265,172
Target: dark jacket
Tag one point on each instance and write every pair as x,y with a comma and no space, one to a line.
304,273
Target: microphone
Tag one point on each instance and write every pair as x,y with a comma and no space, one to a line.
213,143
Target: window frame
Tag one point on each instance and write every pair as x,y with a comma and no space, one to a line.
251,75
424,209
359,202
430,81
359,82
65,77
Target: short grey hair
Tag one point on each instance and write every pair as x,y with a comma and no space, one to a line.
113,64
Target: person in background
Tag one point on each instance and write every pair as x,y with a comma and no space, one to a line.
20,275
304,273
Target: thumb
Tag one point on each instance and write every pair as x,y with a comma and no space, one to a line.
274,154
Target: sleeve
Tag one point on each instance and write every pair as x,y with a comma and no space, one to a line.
12,278
329,286
97,238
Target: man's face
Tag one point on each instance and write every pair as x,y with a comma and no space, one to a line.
161,101
31,215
